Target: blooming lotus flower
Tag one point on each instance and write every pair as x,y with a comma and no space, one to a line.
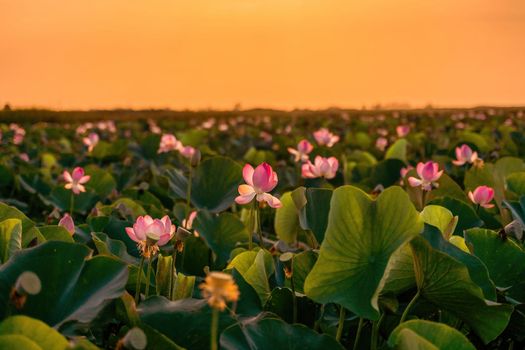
482,196
169,142
301,153
258,183
68,223
402,130
150,234
75,180
219,288
91,141
464,155
325,138
381,143
428,174
322,167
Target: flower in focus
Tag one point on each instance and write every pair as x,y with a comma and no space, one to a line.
482,196
464,154
75,180
322,167
150,234
67,223
325,138
258,183
91,141
428,174
381,143
219,288
169,142
301,153
402,130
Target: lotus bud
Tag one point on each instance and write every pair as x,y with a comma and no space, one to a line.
26,284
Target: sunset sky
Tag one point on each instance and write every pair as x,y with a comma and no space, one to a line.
80,54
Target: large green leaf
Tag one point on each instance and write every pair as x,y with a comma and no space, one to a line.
446,282
516,183
214,184
428,335
286,222
504,258
29,231
477,270
361,237
439,217
314,208
101,181
10,238
398,150
74,286
467,217
255,268
221,232
56,233
14,341
35,330
186,322
272,334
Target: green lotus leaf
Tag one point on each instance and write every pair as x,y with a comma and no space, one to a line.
398,150
186,322
74,286
56,233
101,181
439,217
361,236
428,335
222,233
516,183
445,282
504,258
467,217
10,238
14,341
271,334
37,331
314,214
286,222
29,231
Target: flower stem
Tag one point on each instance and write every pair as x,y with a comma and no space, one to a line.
188,195
259,230
72,204
423,198
173,272
148,277
214,329
358,334
342,315
294,298
409,306
138,285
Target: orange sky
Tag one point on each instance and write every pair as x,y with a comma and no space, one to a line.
269,53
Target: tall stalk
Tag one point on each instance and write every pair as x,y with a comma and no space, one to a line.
148,277
72,204
214,329
137,285
340,326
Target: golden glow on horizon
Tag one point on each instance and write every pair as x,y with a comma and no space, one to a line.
270,53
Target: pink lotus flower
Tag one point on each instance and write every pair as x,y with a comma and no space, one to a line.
151,233
91,141
464,155
322,167
258,183
19,133
169,142
482,196
68,223
187,151
301,153
323,137
189,223
75,180
381,143
428,174
404,171
402,130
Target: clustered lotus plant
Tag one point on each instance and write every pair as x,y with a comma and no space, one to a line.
348,260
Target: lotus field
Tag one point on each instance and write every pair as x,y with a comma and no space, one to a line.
361,230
